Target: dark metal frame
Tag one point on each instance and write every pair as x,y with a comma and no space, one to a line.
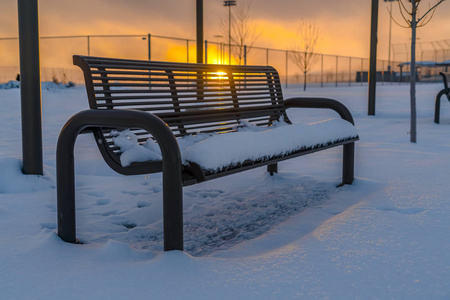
30,87
175,174
446,92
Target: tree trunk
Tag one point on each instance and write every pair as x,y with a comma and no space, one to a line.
413,130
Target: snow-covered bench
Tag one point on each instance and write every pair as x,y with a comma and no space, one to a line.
446,92
192,122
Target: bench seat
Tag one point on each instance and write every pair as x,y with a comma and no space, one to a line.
216,152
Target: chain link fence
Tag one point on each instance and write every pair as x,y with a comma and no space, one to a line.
56,59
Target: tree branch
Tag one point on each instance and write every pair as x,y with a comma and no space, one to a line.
434,7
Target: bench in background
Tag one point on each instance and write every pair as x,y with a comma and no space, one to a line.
446,92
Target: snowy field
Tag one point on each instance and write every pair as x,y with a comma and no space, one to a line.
247,236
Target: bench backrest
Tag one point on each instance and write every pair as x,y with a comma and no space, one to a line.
445,78
190,98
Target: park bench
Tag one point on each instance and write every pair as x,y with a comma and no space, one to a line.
446,92
166,101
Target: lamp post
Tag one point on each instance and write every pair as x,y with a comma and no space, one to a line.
390,30
229,3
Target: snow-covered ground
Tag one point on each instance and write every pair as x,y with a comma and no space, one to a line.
247,236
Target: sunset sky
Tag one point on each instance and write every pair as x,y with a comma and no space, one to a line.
345,24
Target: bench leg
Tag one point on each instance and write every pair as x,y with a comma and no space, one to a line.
173,206
348,164
273,168
65,177
437,109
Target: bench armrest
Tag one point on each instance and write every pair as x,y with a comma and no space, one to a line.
311,102
94,118
171,168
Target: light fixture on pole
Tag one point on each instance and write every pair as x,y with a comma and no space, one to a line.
229,3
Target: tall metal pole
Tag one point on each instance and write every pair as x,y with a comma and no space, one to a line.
390,34
229,3
229,34
30,87
390,40
412,72
373,58
199,31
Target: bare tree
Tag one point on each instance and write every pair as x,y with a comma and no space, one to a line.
303,49
414,20
244,32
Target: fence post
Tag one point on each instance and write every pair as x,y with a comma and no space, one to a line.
206,51
245,55
362,72
321,73
267,56
89,45
149,45
30,87
349,71
337,58
287,68
187,50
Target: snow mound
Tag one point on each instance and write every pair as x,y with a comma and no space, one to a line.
13,181
48,85
10,85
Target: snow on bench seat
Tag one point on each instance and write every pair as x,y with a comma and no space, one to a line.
214,152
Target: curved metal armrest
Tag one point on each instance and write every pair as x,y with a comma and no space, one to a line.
122,118
445,92
437,104
311,102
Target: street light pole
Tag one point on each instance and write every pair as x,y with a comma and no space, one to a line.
390,30
229,3
373,58
30,87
